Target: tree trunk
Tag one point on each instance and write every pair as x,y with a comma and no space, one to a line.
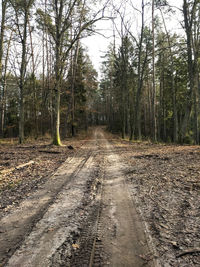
123,120
56,137
3,20
131,114
189,21
2,81
74,67
154,123
34,86
196,112
22,77
175,120
4,86
140,68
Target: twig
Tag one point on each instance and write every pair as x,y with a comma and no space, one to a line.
49,151
150,194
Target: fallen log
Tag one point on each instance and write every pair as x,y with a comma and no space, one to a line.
17,167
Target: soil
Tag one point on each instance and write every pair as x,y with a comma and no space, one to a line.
164,181
106,202
17,183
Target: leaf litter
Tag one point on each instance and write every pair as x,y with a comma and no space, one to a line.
165,183
24,167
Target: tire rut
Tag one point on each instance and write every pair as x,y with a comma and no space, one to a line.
91,251
10,241
114,233
91,222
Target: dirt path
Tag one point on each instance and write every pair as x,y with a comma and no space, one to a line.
83,216
124,236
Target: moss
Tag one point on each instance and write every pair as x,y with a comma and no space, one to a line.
56,140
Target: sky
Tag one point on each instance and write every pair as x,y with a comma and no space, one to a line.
97,45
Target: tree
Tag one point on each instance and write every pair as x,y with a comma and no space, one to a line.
70,21
2,33
189,12
142,57
22,11
122,73
154,123
175,120
2,76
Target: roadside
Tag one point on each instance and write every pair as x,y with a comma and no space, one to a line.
25,167
164,182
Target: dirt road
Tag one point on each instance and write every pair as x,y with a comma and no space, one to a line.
83,216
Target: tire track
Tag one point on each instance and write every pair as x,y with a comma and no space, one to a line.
89,242
114,234
17,225
91,221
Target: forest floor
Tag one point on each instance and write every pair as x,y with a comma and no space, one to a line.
106,202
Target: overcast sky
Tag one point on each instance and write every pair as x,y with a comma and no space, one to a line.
97,45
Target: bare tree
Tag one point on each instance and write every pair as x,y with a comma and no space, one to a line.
2,37
189,11
175,119
66,16
154,124
22,13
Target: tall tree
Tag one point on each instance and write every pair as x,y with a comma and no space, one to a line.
67,15
175,120
154,125
22,11
2,33
189,11
2,38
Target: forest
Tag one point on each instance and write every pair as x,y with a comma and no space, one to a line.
99,161
149,84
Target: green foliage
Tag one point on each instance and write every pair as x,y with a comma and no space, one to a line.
161,3
81,89
45,20
188,139
22,6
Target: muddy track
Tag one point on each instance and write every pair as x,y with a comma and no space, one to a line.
113,234
91,252
17,225
83,216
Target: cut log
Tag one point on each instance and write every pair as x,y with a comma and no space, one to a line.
18,167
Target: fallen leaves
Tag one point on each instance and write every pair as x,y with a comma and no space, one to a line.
75,246
24,167
165,183
51,229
